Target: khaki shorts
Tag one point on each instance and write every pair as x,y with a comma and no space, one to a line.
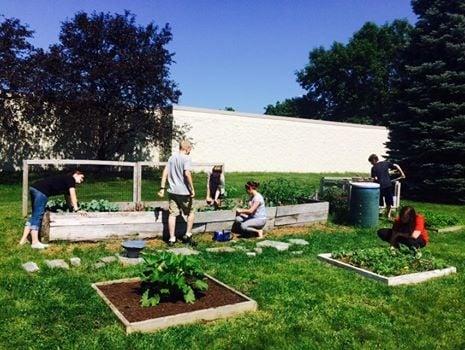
179,204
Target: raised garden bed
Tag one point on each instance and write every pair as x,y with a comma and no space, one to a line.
123,296
148,224
448,229
410,278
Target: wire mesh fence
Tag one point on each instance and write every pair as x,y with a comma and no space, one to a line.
103,180
151,173
126,183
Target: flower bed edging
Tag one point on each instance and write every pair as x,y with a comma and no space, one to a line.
410,278
155,324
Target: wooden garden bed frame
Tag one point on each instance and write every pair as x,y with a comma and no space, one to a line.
155,324
102,226
410,278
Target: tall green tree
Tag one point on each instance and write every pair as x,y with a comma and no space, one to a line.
20,115
427,133
104,81
352,82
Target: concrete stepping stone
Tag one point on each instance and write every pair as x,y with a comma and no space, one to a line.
57,264
183,251
30,267
298,241
281,246
99,265
108,259
251,254
74,261
258,250
125,261
297,252
221,250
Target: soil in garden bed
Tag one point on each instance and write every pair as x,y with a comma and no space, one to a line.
126,297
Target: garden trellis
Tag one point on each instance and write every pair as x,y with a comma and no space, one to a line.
125,183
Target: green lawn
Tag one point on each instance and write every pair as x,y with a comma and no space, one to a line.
303,303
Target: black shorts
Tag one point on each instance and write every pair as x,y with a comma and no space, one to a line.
388,194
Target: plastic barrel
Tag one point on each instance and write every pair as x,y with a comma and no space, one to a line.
364,204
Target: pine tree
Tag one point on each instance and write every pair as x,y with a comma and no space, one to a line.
427,130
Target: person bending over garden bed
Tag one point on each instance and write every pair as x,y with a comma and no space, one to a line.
253,219
40,191
408,229
215,186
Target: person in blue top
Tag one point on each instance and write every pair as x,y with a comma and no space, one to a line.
253,219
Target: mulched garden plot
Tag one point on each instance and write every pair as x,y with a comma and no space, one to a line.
126,297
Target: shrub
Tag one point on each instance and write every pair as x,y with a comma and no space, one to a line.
389,261
439,220
338,203
282,191
169,275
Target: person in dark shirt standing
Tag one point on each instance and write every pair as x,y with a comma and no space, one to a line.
380,174
40,191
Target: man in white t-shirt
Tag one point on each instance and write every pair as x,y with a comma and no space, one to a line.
180,191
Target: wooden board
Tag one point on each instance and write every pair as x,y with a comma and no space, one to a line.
218,226
301,218
301,208
215,216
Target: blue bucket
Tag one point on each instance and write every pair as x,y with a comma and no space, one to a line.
222,236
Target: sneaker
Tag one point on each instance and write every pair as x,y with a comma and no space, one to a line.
171,243
189,240
39,245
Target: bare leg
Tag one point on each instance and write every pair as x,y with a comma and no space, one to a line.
258,232
172,227
26,233
190,223
35,236
388,211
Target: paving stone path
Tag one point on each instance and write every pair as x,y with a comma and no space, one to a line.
57,264
125,261
298,241
74,261
281,246
183,251
221,250
108,259
30,267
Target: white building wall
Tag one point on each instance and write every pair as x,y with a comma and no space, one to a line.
252,142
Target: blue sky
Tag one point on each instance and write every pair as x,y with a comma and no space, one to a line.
237,53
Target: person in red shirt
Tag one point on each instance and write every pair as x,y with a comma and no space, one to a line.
408,229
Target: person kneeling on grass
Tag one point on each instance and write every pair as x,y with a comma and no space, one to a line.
40,191
253,219
408,229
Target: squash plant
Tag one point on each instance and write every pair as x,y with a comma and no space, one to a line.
166,274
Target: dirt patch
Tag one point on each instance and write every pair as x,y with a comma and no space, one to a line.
126,297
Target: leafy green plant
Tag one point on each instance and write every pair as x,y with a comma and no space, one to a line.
169,275
389,261
338,203
439,220
101,205
57,205
283,191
